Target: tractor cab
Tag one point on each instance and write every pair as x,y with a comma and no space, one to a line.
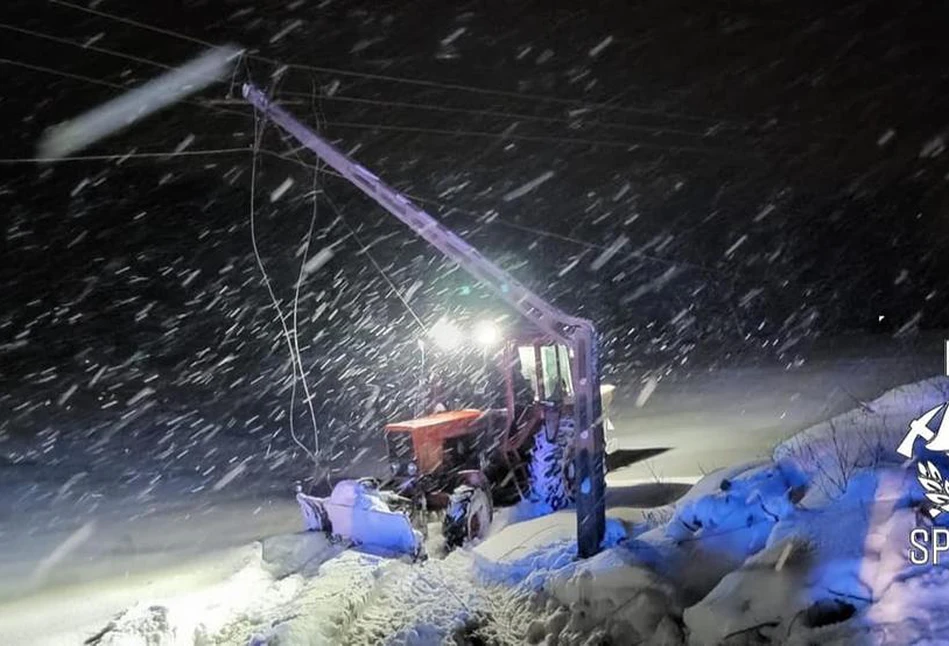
546,366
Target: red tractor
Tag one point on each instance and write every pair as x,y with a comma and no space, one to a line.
459,464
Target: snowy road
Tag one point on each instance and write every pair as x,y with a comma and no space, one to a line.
709,420
124,555
96,563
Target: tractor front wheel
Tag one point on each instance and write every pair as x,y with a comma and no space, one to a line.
468,515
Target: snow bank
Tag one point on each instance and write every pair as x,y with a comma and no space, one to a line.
723,520
229,610
863,438
834,567
302,590
609,597
303,553
202,616
525,553
567,601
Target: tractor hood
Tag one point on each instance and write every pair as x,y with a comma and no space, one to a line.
428,434
445,424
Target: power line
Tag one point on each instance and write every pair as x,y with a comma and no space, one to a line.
134,23
423,200
93,48
434,202
225,151
412,129
407,80
338,98
294,356
629,146
501,221
500,114
49,70
378,267
339,124
352,232
507,223
130,155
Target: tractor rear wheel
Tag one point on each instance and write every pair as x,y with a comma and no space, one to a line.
468,516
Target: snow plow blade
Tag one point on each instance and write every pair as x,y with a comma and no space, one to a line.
355,511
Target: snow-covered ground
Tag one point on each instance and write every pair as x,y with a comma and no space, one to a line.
704,419
777,548
807,546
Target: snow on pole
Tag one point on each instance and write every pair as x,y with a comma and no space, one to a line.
122,111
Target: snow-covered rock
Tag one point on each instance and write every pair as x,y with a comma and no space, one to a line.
723,520
754,598
822,563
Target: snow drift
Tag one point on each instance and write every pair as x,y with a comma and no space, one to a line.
807,547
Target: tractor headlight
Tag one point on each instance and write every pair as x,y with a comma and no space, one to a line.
412,468
394,467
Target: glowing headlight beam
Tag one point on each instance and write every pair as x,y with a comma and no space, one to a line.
446,335
486,333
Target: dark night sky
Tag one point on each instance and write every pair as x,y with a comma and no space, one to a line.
776,166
